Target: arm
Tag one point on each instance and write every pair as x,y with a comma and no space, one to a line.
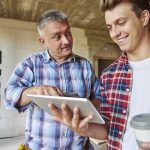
41,90
95,89
21,79
77,124
22,82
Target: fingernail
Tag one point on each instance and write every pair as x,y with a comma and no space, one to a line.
50,105
91,116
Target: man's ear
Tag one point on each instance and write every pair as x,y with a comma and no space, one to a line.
145,17
41,40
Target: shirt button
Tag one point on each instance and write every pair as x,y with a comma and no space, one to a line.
127,90
124,111
19,84
129,70
120,132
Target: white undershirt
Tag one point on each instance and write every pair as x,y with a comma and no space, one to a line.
140,99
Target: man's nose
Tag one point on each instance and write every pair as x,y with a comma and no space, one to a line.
65,40
115,33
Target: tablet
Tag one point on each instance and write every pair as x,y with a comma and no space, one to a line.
85,105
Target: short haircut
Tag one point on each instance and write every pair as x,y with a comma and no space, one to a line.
110,4
50,15
137,6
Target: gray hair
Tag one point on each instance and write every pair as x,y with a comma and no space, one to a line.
50,15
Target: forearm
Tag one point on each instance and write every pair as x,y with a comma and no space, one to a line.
12,95
24,100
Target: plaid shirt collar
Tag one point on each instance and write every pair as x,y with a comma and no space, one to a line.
48,58
123,59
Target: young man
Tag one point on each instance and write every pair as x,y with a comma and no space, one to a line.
125,84
53,72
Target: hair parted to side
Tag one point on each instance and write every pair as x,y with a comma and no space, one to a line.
137,5
50,15
108,4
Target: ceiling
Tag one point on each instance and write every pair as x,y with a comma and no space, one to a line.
82,13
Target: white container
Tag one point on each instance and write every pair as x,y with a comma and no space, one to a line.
141,125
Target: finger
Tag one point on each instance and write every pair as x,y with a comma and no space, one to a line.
85,121
47,91
40,90
57,115
43,90
52,91
145,146
59,91
67,114
76,118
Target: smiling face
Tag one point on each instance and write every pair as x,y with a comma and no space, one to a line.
125,28
57,38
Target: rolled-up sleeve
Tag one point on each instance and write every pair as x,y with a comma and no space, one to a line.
21,78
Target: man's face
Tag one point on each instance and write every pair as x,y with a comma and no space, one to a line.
125,28
57,38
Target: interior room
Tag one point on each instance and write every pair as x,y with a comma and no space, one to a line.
19,38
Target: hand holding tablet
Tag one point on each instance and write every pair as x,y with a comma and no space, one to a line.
85,105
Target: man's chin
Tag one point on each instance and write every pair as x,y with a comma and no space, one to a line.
67,51
123,48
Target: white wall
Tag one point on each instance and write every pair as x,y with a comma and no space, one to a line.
17,40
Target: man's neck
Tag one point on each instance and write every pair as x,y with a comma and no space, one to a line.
60,59
142,51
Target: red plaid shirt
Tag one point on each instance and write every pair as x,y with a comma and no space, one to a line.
115,91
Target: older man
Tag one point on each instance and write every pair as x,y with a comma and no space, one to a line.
52,72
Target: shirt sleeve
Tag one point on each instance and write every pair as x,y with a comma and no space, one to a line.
105,106
99,93
21,78
95,85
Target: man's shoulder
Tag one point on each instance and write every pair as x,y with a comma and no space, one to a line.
77,57
39,54
116,67
111,67
36,55
34,58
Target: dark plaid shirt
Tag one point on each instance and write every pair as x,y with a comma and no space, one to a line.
115,91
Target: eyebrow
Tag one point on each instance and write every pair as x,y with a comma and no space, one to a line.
57,32
117,20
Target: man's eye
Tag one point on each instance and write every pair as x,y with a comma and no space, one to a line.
68,33
108,28
57,37
122,23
